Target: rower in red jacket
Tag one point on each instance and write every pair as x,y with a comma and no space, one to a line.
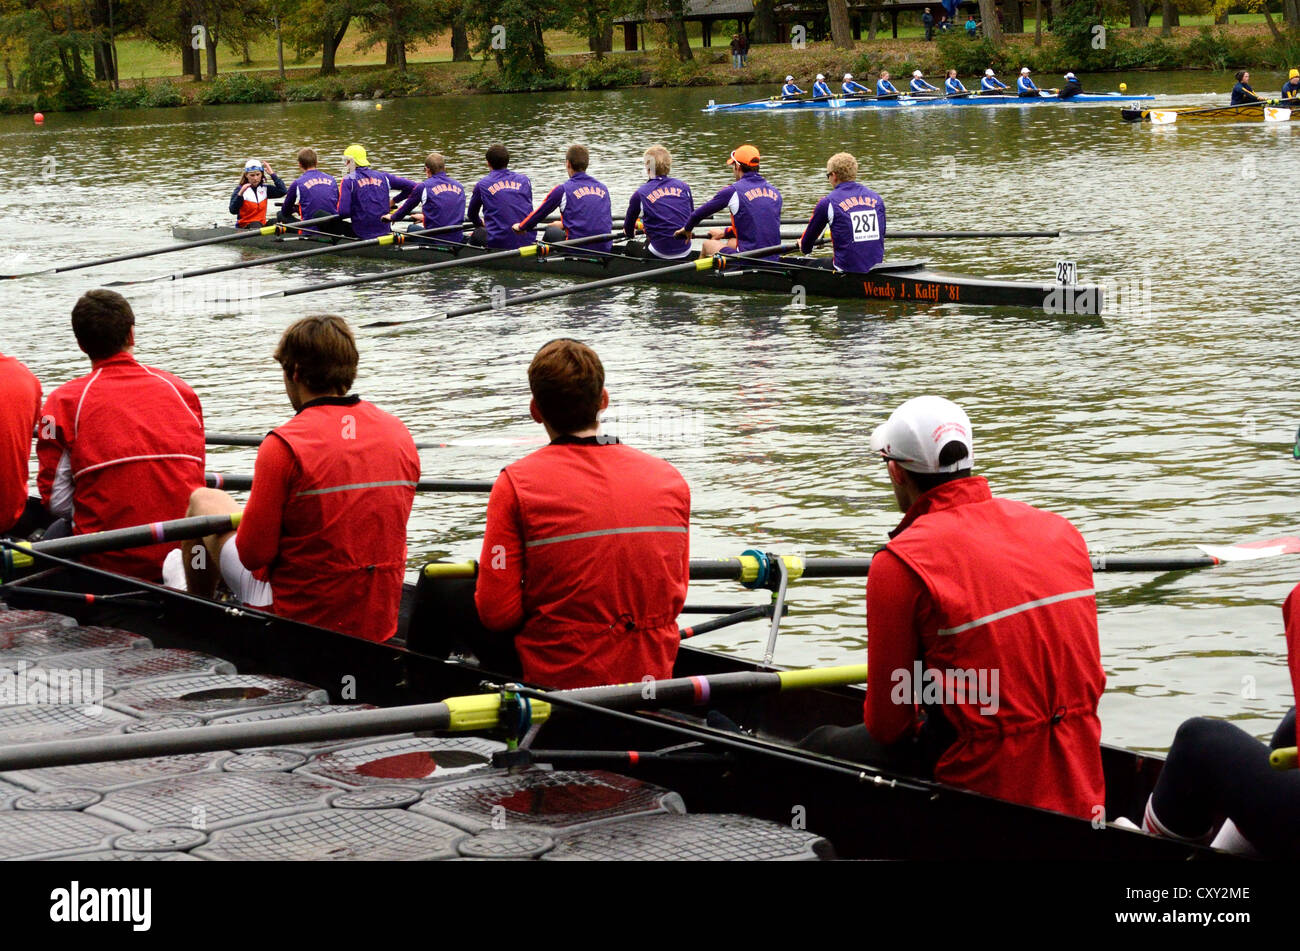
586,554
122,446
20,409
982,649
323,537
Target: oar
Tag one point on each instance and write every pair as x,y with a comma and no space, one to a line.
220,239
700,691
955,235
702,264
528,250
18,554
719,107
233,439
396,238
756,569
1285,757
242,483
453,715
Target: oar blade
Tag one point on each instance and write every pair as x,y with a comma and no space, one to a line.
1252,551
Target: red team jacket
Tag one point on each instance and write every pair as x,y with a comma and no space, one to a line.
20,407
587,546
973,583
326,520
134,438
1291,613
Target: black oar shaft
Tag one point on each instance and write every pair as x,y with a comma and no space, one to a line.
207,739
438,266
242,483
138,536
587,286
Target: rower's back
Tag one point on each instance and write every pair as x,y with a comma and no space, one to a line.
349,472
1012,596
122,445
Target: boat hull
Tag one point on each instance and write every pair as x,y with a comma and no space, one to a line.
905,102
1250,112
866,813
909,281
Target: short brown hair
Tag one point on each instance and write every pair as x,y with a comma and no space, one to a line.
663,161
319,352
102,322
566,378
578,157
307,158
435,163
498,156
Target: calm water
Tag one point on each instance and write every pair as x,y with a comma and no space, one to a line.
1155,428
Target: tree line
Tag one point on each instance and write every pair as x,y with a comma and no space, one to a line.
70,44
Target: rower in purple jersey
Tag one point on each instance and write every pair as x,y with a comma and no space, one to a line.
364,194
582,201
503,197
443,198
663,204
313,194
754,204
856,216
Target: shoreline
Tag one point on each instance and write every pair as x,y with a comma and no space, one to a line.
1130,50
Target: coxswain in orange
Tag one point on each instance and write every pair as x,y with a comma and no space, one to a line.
586,552
322,539
983,658
20,410
248,203
121,446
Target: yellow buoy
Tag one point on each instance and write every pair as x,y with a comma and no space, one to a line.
379,105
1123,87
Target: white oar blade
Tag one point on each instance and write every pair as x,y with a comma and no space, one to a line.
1274,114
1163,116
1250,551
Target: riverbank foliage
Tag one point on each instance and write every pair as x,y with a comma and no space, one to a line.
1071,46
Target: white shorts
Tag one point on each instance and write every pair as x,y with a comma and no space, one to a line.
240,581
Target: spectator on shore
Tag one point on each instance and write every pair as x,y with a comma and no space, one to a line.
735,52
744,49
927,21
972,27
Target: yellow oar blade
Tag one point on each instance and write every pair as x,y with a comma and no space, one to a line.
823,677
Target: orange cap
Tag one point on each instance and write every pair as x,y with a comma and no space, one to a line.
745,155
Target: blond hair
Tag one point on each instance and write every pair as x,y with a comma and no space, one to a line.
844,165
661,159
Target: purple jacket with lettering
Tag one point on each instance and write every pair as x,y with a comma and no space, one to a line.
505,198
444,204
364,195
755,208
856,215
663,205
313,194
584,209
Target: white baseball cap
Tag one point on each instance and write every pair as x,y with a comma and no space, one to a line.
820,77
253,165
916,74
1024,70
789,79
1069,75
916,433
848,75
988,72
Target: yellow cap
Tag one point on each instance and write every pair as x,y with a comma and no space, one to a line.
357,154
1295,74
